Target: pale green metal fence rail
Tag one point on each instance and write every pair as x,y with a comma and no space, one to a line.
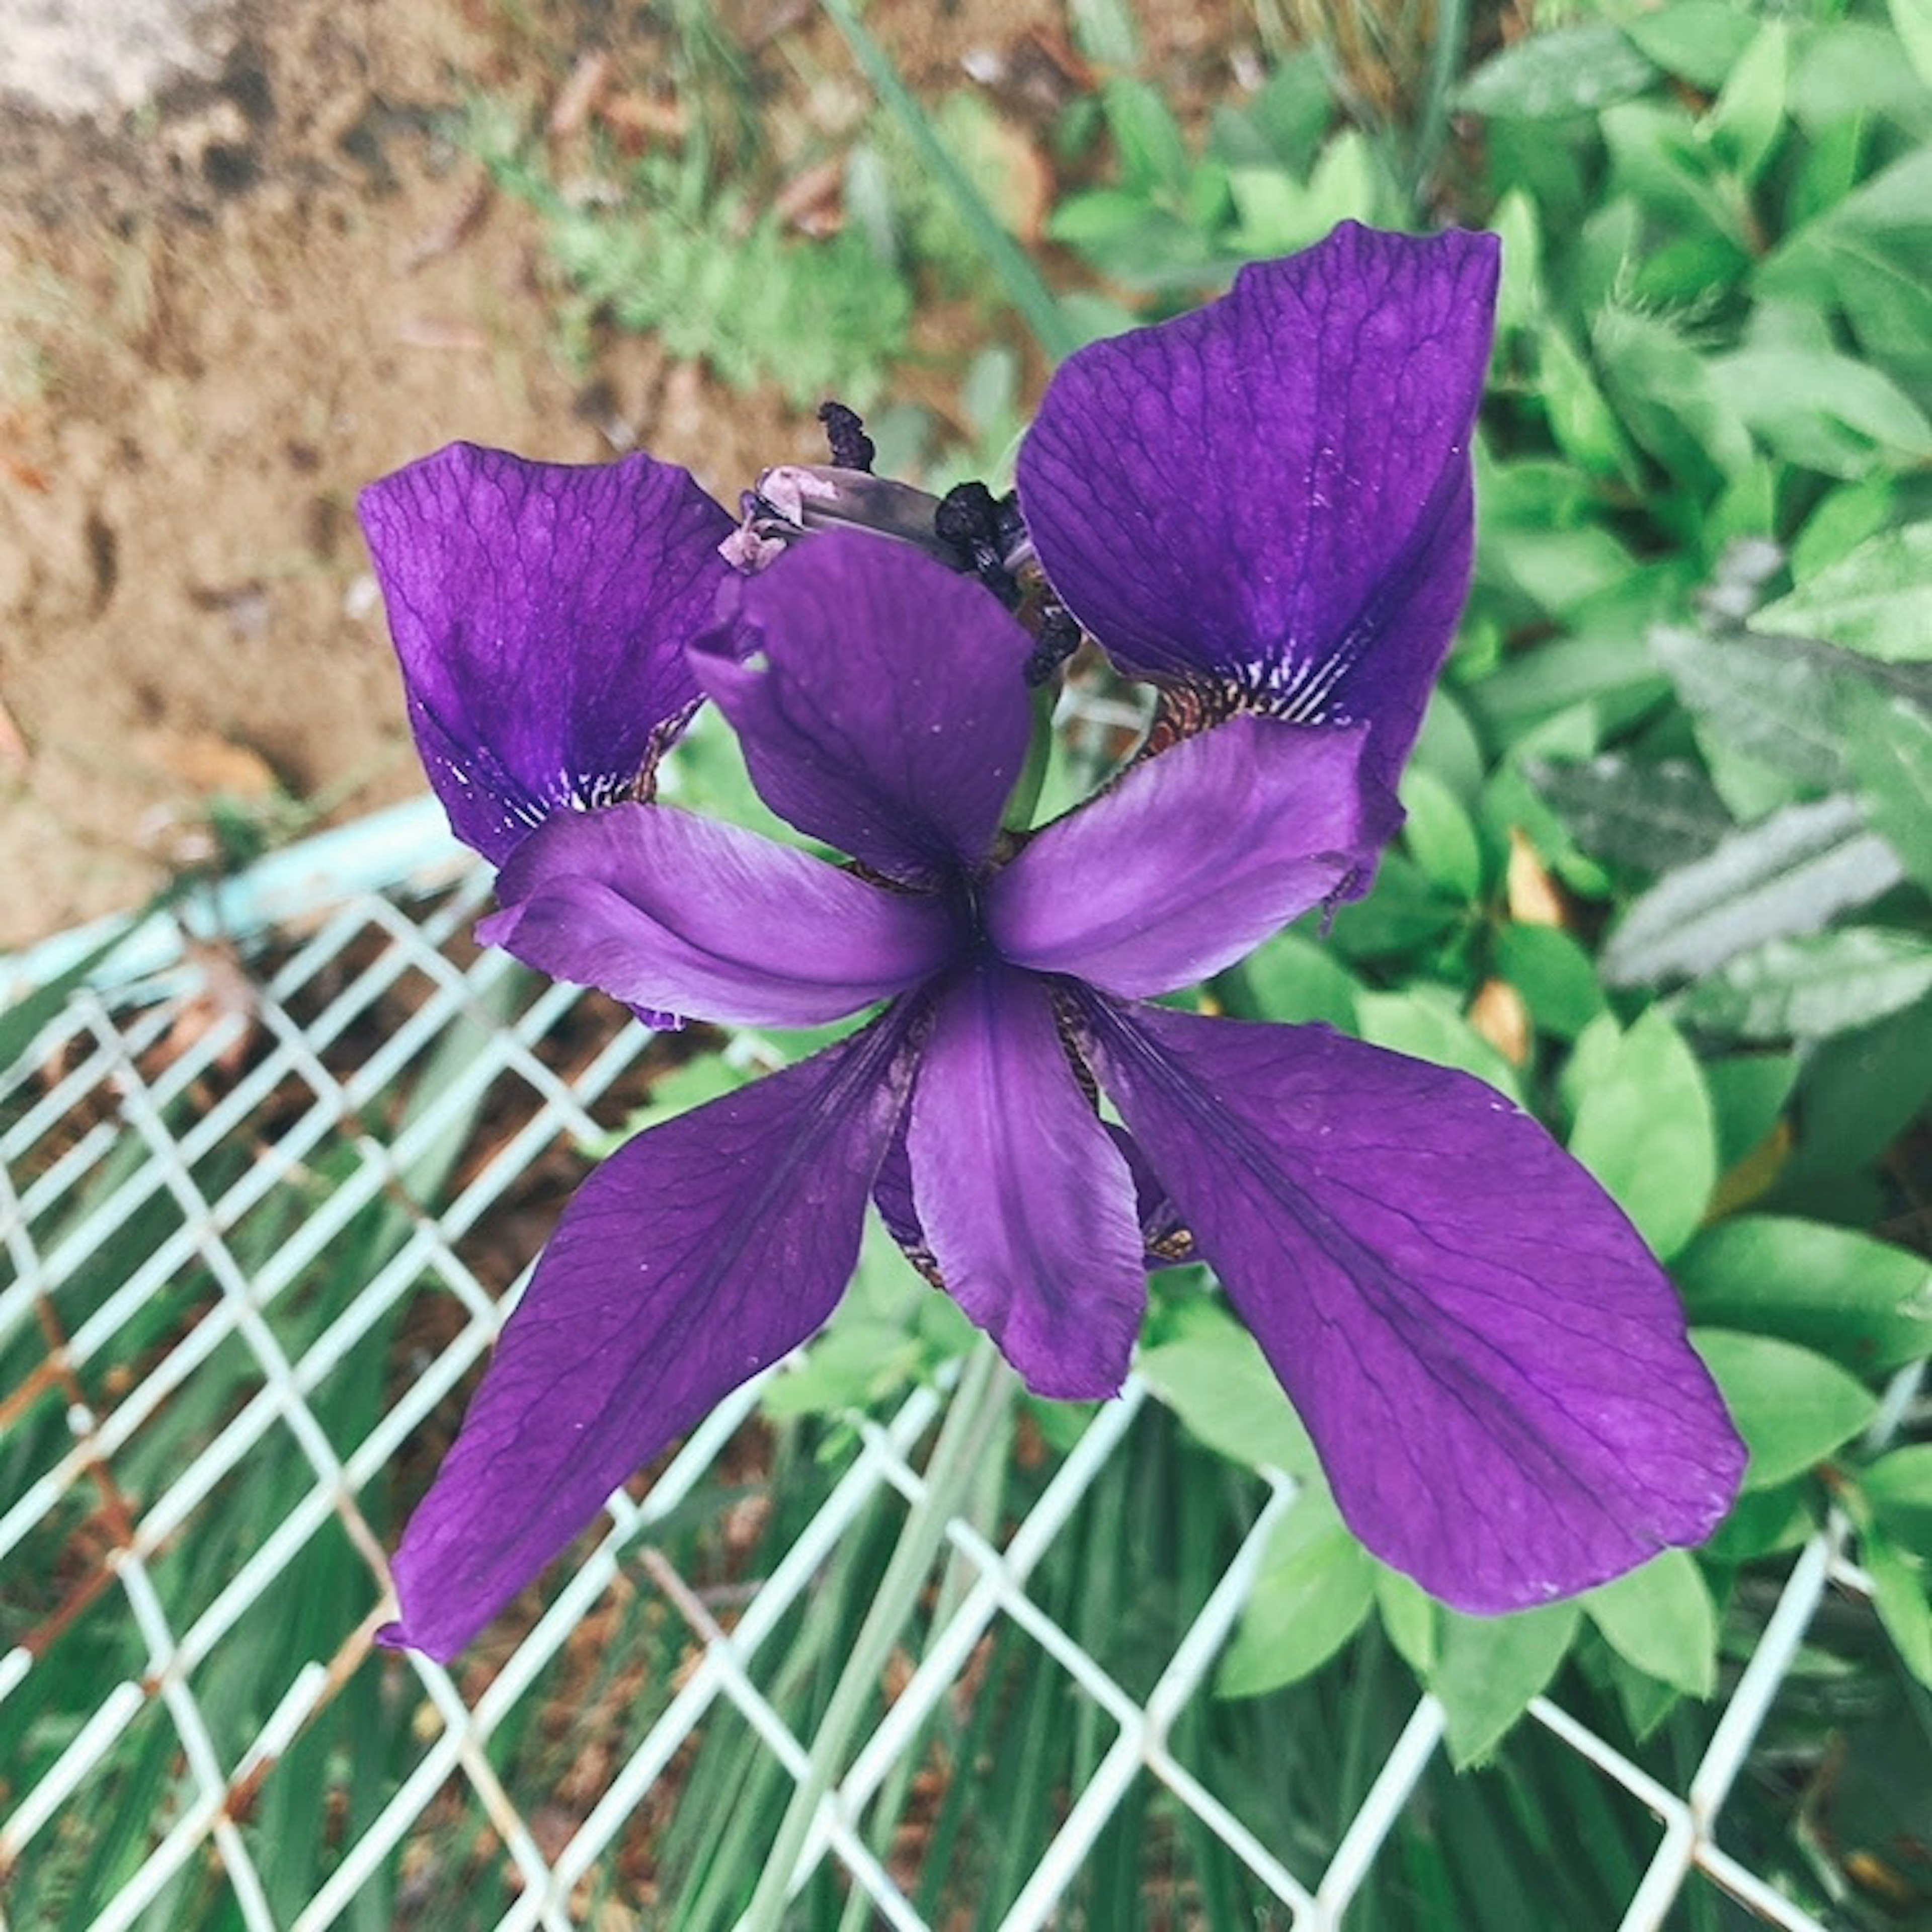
191,1119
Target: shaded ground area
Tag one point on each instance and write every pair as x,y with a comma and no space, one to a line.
223,310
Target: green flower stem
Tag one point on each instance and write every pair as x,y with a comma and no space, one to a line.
980,1399
1025,799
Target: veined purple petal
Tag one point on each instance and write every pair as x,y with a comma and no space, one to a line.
880,701
1493,1366
1272,494
699,1253
1193,858
680,914
1027,1205
541,612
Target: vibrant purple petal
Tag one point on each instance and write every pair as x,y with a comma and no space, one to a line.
681,914
1194,858
1027,1205
880,701
541,612
1493,1366
699,1253
1272,493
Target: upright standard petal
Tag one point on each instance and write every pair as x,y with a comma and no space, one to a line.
1027,1205
680,914
541,612
1193,858
1493,1366
696,1255
881,699
1270,497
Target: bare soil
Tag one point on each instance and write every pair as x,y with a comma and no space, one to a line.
223,311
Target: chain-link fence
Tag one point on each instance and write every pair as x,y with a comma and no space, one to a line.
264,1204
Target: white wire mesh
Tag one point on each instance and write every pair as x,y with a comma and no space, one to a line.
173,1168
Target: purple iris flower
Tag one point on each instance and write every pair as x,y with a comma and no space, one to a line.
1490,1363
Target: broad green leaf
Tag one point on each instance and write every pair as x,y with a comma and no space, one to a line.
1748,1091
1661,1618
1864,1302
1439,835
1878,600
1651,818
1747,118
1789,874
1643,1128
1899,1487
1770,698
1843,520
1401,911
1213,1376
1492,1667
1411,1618
1823,411
1314,1590
1889,746
1147,142
1656,158
1572,71
1554,975
1862,1089
1764,1523
1912,20
1425,1022
1898,1594
1808,988
1699,40
1793,1407
1295,978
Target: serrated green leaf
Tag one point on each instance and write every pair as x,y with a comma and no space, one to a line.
1864,1302
1877,601
1661,1618
1789,874
1492,1667
1643,1127
1809,989
1793,1407
1314,1590
1651,818
1216,1379
1572,71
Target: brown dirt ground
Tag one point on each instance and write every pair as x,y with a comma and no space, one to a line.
222,314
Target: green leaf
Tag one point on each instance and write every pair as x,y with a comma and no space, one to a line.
1745,123
1411,1617
1822,410
1898,1595
1793,1407
1898,1486
1661,1618
1877,601
1644,1129
1215,1378
1809,989
1889,746
1426,1022
1668,401
1698,41
1490,1670
1403,909
1788,874
1864,1302
1555,976
1572,70
1912,20
1770,698
1748,1091
1651,818
1314,1590
1765,1523
1439,835
1293,978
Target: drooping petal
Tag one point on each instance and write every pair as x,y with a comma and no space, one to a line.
1493,1366
699,1253
1026,1204
669,911
1194,858
541,612
1272,493
880,701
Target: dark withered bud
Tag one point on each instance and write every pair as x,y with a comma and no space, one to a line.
852,448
